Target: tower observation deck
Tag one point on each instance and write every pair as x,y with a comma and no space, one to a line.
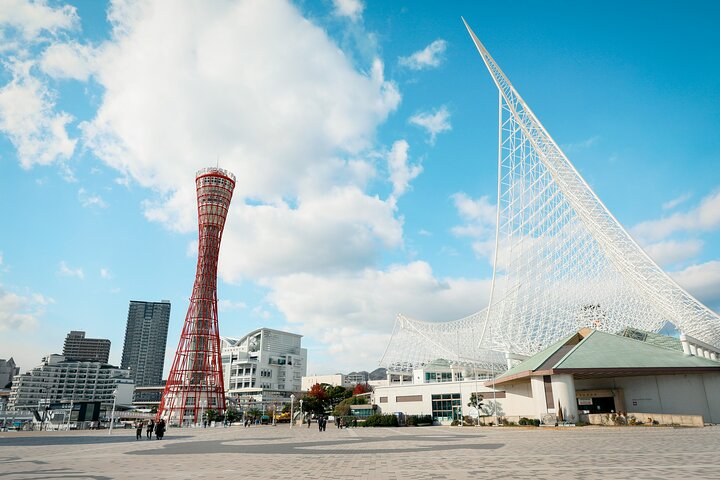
195,383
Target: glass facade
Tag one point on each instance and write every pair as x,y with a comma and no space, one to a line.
446,406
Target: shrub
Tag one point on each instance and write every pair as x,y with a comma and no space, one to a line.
418,420
532,422
379,420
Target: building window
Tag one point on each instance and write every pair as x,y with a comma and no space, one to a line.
446,406
383,399
409,398
433,377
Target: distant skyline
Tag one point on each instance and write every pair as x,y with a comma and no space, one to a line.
364,139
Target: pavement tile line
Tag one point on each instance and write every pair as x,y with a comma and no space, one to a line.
363,453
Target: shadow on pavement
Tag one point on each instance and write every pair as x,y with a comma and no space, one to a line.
49,440
350,446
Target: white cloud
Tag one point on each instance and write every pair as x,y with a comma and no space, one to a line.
401,171
671,251
227,305
28,118
704,217
105,274
31,18
434,123
67,271
67,60
349,8
20,312
429,57
342,228
701,280
670,204
294,120
88,200
480,217
352,313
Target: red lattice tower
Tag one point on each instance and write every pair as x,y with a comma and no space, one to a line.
195,383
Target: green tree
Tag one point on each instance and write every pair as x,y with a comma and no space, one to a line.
212,415
232,415
476,400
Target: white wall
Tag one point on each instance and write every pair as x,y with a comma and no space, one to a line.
690,394
518,398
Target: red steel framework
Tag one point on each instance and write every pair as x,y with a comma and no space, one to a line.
195,383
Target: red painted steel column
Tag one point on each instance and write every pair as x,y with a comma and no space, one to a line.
196,380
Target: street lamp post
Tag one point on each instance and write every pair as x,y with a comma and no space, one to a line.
292,412
112,415
202,411
302,412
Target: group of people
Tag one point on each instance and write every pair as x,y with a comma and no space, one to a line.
322,423
158,428
341,423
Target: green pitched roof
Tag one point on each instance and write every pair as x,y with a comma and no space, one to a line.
604,350
591,349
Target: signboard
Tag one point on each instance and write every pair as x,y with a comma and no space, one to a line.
585,401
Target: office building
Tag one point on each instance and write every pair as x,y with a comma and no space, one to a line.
144,348
264,366
61,380
78,347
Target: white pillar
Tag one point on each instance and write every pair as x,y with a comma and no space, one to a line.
563,388
713,356
706,353
700,352
537,386
693,349
685,344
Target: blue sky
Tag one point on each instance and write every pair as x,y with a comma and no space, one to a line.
364,138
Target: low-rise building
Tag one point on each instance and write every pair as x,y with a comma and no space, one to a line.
585,374
335,380
61,380
265,366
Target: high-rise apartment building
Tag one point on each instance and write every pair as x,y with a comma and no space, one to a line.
78,347
145,340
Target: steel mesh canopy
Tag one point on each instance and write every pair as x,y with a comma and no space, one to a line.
562,261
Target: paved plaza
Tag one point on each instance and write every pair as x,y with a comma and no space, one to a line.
267,452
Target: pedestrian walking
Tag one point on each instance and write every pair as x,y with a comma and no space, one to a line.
149,429
160,429
138,430
309,421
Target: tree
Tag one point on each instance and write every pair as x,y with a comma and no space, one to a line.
212,415
232,415
337,394
253,413
476,400
361,388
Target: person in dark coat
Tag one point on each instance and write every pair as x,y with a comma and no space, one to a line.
149,429
160,429
138,430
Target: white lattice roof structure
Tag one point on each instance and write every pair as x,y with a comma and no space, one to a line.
562,262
